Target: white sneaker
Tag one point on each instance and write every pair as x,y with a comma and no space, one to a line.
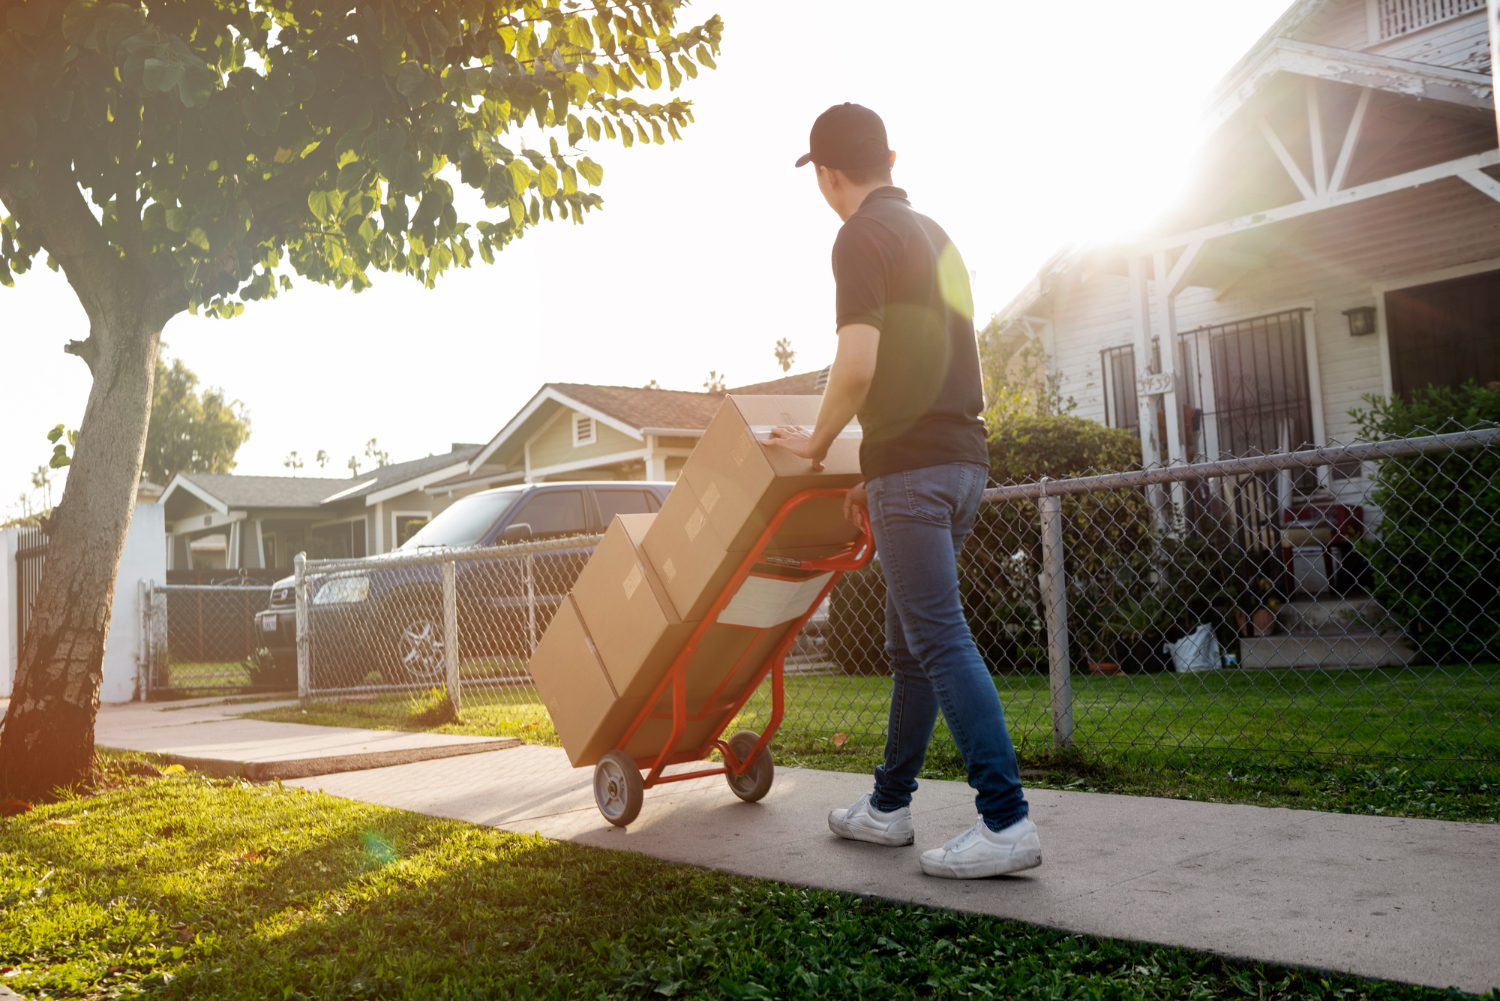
862,822
980,852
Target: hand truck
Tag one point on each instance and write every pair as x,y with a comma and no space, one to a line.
619,789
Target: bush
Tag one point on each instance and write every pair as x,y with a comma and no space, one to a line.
1106,536
268,671
1435,557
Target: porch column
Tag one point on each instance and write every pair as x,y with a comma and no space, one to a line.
656,465
1168,302
1140,317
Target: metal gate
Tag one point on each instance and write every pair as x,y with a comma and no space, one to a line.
31,554
202,637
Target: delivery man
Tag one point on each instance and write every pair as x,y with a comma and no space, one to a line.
907,365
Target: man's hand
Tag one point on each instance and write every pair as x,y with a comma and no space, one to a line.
857,505
798,442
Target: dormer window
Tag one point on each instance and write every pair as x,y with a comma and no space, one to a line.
583,430
1392,18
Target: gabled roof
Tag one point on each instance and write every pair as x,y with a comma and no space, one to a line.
645,408
230,490
223,491
632,410
382,478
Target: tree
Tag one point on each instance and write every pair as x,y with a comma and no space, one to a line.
293,461
186,155
714,383
322,459
190,432
375,455
41,481
784,354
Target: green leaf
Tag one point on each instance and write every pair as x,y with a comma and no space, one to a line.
409,79
593,127
591,171
160,75
547,181
325,204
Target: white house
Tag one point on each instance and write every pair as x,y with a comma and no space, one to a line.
1341,238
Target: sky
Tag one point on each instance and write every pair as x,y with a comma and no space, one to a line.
1019,127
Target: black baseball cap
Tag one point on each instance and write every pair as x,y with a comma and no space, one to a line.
847,135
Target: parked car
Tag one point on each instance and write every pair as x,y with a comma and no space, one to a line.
389,618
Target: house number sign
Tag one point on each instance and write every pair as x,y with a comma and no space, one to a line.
1153,384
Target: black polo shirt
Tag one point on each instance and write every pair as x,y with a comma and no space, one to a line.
897,271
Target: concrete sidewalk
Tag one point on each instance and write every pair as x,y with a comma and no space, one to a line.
1408,900
212,735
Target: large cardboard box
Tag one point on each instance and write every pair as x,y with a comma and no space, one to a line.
730,488
740,482
616,636
638,634
586,711
692,561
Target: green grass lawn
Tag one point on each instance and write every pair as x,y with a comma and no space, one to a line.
185,887
1415,742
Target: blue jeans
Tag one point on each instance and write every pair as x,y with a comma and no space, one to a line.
920,519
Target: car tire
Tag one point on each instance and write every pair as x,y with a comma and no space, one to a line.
416,647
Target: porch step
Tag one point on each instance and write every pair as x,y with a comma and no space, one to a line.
1326,651
1333,617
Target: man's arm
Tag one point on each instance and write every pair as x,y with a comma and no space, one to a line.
848,384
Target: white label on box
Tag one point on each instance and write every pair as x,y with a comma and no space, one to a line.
762,432
762,602
669,570
710,497
694,524
632,581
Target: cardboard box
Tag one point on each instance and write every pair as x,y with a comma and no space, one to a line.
693,562
586,711
616,636
741,482
637,633
627,611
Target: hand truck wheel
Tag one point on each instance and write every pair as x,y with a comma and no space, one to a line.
752,784
618,791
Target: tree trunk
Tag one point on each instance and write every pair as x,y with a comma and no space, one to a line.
48,739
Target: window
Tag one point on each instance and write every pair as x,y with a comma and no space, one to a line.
1390,18
1118,368
466,521
1444,334
557,512
613,502
583,430
339,541
1248,380
408,525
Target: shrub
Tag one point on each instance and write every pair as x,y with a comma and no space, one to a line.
1435,556
1106,538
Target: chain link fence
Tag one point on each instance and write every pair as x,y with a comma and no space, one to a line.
1328,605
205,638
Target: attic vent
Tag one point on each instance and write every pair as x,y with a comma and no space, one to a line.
1399,17
583,430
821,382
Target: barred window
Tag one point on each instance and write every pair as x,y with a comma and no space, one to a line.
1390,18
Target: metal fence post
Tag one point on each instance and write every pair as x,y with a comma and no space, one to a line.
304,644
1055,600
530,607
143,653
450,630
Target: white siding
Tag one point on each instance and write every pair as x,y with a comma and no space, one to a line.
1333,259
1462,43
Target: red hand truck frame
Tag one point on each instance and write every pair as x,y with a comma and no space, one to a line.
618,785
